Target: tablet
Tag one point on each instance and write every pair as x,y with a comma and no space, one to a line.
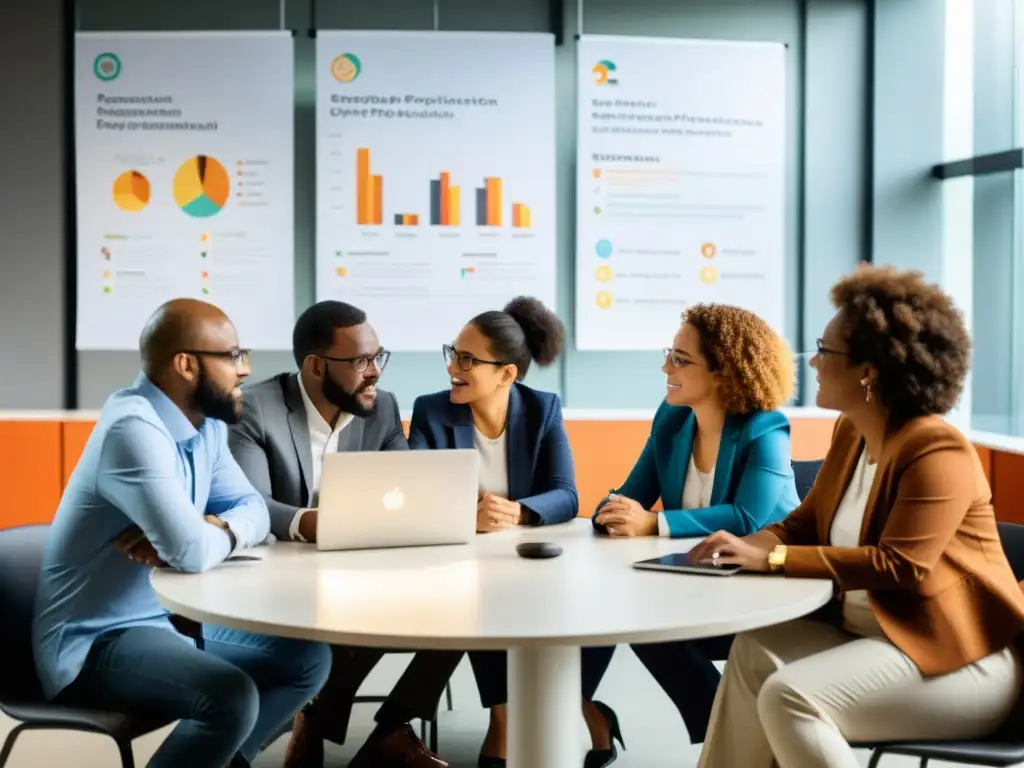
679,562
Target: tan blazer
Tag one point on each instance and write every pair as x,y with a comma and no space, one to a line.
937,578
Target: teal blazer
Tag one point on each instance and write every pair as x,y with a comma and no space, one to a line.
754,484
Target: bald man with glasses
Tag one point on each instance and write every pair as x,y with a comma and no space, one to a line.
290,423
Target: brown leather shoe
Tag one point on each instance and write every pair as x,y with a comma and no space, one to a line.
399,748
306,748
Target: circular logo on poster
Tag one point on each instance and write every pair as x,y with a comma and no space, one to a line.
346,67
106,66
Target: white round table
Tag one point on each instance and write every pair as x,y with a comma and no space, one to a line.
484,596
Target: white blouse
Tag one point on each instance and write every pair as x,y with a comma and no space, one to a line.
857,615
493,463
696,493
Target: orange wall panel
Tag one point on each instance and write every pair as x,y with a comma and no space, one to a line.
76,434
603,452
985,457
810,438
1008,486
30,472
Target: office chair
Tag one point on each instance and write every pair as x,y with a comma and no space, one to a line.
21,696
805,473
1003,749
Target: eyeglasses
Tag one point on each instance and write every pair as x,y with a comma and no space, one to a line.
237,357
823,349
360,364
466,361
678,361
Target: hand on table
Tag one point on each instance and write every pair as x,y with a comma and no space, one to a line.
622,516
495,513
307,525
133,543
747,552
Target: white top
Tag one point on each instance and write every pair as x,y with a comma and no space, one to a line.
857,615
696,493
483,596
493,463
322,440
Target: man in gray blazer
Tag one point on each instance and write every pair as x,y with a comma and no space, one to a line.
290,422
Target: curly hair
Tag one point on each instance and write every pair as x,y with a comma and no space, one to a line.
913,335
753,365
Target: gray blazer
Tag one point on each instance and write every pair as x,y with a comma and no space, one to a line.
271,443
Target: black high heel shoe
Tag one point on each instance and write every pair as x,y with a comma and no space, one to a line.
600,758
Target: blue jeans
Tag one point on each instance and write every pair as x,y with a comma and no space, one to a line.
230,698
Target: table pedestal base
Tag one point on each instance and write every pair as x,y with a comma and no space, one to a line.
544,707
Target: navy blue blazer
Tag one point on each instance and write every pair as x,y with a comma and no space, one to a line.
541,476
754,484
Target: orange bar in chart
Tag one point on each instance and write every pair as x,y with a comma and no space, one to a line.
445,195
377,201
363,186
517,215
454,203
493,202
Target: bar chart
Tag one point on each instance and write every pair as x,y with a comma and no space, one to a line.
369,191
445,201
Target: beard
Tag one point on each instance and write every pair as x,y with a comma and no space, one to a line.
348,402
214,403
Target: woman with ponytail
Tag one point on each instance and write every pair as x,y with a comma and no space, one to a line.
526,467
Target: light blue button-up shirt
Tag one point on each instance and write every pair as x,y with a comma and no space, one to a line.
145,463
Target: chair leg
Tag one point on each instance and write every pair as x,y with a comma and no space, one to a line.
127,757
876,758
5,753
448,695
924,762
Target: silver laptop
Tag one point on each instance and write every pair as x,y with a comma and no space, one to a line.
374,499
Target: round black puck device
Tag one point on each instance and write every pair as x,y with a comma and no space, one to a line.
538,550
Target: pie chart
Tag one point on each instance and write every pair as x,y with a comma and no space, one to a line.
131,191
201,186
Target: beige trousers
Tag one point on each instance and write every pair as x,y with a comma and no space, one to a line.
794,694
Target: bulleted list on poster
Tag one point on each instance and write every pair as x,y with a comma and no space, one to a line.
184,160
680,185
435,177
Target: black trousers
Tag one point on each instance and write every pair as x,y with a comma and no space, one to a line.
415,695
490,668
685,670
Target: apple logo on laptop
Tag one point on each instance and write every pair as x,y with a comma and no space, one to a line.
393,499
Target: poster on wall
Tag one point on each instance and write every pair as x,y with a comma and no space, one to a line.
185,181
435,177
680,184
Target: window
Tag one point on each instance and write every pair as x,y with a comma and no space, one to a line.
997,402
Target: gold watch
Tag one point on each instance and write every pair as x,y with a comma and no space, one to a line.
777,558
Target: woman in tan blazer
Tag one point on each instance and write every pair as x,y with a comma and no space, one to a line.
918,643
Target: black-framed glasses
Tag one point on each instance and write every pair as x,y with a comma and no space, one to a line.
237,357
465,360
677,360
824,349
361,363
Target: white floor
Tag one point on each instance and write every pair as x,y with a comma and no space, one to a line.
654,733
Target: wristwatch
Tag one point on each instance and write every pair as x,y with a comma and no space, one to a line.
777,559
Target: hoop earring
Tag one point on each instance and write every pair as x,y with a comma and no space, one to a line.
866,383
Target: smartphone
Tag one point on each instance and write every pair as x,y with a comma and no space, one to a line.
679,562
